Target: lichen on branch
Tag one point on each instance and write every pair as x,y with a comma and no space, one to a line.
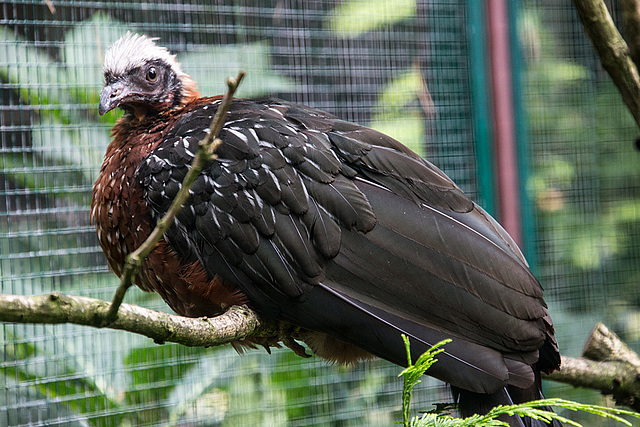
235,324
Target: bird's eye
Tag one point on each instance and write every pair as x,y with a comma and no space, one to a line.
152,74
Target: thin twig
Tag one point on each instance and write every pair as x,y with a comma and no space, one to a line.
205,153
235,324
51,7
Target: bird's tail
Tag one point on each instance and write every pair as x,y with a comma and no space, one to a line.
470,403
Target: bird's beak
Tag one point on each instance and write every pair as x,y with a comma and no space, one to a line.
112,96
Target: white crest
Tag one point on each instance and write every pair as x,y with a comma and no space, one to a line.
135,50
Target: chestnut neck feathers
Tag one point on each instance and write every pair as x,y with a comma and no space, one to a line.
144,79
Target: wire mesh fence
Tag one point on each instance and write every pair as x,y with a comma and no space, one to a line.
408,68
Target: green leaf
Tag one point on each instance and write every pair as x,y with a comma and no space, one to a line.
201,388
531,409
560,72
396,116
81,145
77,385
60,133
408,129
83,52
355,17
36,77
402,90
59,181
255,399
210,66
154,372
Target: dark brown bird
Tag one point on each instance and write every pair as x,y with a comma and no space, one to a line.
335,228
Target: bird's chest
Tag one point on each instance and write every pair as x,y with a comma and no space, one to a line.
118,210
123,222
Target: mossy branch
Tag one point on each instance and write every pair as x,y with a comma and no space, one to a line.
235,324
631,21
608,365
615,55
206,152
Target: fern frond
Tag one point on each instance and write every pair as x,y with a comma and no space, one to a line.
414,372
527,409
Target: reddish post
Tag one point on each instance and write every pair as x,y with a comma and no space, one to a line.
503,118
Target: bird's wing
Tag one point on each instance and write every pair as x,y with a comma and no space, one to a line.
341,229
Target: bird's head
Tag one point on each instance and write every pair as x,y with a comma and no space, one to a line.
143,78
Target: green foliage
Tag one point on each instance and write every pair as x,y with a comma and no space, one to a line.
528,409
154,373
586,184
414,372
210,66
73,382
356,17
61,134
395,114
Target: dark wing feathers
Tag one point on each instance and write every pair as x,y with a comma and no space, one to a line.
292,190
268,187
246,237
293,238
265,222
379,329
344,201
325,231
340,229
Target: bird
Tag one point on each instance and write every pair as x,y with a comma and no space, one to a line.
330,227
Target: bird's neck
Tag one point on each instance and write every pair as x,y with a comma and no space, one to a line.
189,91
135,136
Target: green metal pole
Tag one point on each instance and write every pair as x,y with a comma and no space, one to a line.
480,93
527,211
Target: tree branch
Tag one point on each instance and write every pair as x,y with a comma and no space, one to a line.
206,152
607,365
631,20
612,50
235,324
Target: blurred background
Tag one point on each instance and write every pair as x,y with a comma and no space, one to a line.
418,70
